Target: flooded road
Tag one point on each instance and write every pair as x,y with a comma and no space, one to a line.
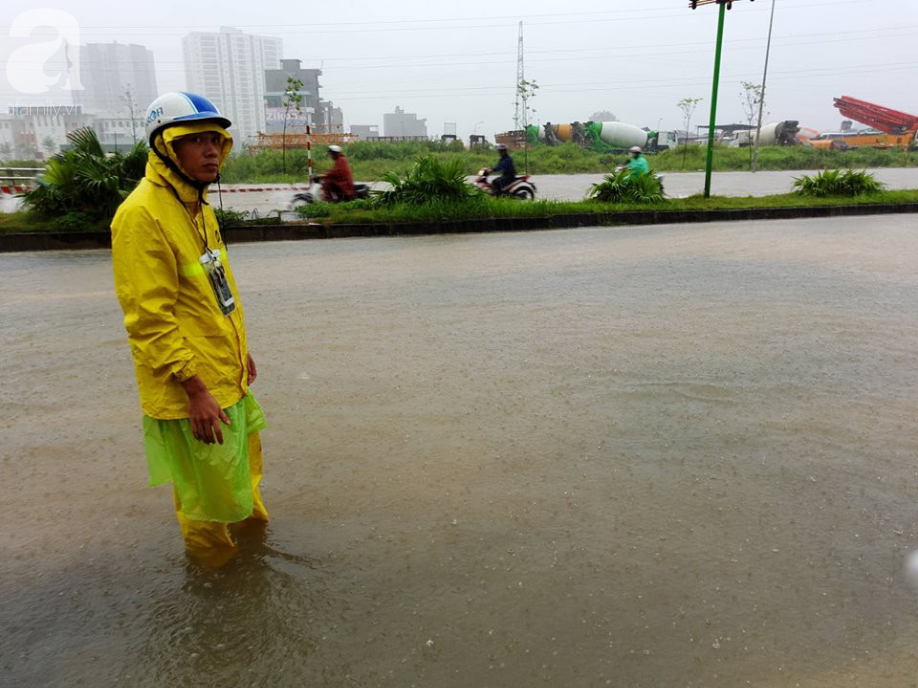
575,187
569,187
656,456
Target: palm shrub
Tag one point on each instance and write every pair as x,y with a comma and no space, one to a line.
623,187
82,185
837,183
429,179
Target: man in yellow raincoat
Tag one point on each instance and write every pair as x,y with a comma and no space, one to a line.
185,326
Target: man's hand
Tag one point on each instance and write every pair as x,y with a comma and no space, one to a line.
253,371
204,412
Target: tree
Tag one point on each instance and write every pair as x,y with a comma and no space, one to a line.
603,116
687,105
6,150
293,98
49,144
526,90
131,108
751,97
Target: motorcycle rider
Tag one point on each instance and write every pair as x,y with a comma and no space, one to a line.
637,165
507,169
338,183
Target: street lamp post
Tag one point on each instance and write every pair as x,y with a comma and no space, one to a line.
758,131
724,6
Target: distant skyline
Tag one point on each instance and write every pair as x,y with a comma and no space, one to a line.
637,59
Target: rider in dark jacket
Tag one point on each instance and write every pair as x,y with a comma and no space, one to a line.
507,169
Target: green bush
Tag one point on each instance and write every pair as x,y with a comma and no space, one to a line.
429,180
837,183
75,222
85,181
624,187
232,218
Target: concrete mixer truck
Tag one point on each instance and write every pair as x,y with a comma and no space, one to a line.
602,136
773,134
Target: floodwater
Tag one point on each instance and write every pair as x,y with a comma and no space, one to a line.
575,187
634,457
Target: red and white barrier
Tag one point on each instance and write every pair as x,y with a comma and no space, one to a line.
258,189
13,190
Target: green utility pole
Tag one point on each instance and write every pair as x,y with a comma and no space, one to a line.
724,6
709,165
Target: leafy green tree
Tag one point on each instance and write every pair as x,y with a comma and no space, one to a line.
687,106
526,90
293,98
751,97
49,144
132,109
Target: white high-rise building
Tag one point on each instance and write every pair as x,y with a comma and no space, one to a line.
229,68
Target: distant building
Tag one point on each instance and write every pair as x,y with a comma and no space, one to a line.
38,132
403,124
276,88
365,132
115,133
332,117
229,68
113,74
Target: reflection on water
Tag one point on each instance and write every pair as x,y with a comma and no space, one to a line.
646,457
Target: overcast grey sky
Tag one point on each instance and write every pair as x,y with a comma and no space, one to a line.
450,62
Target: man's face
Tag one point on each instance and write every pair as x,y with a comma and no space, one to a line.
199,155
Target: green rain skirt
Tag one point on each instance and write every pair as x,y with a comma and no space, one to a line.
213,481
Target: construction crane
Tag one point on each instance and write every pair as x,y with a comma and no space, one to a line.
889,128
876,116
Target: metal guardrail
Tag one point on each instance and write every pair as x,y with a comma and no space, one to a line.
14,181
10,176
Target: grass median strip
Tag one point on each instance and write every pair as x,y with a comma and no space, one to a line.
498,208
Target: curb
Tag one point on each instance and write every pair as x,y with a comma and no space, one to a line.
58,241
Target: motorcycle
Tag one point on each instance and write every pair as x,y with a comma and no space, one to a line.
520,187
315,193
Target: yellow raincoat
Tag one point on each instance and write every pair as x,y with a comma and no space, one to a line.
173,321
176,331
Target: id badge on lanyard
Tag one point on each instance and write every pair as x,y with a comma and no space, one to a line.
217,276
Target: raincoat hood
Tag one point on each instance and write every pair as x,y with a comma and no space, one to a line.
163,173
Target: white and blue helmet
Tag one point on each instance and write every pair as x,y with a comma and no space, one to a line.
180,107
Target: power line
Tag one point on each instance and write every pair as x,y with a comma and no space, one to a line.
904,31
296,29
